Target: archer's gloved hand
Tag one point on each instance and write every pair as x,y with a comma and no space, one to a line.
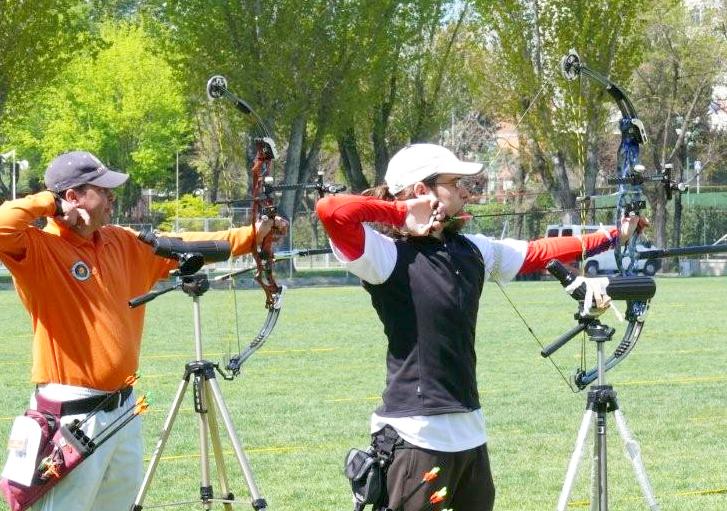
596,301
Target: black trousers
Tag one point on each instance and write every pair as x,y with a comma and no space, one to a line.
466,475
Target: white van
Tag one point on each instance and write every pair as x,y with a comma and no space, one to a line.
605,262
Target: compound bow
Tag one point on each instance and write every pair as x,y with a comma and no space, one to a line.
263,192
630,179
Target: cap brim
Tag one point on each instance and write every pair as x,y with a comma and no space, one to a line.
109,179
462,168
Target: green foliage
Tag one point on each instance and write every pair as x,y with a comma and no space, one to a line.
189,206
123,105
702,225
312,69
564,121
684,52
37,40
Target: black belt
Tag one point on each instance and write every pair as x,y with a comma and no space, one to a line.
102,402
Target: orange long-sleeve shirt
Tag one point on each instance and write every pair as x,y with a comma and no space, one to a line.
76,291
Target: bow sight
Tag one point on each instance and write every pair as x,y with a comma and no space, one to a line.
318,185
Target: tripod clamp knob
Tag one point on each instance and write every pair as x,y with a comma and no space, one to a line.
598,332
602,397
196,284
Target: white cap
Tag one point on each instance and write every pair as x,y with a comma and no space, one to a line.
418,162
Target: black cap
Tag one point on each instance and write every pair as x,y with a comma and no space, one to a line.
77,168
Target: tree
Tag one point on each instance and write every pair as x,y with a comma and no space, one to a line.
415,76
37,39
318,70
684,57
123,105
561,130
287,59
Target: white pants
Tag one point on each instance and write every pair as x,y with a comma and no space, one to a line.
110,477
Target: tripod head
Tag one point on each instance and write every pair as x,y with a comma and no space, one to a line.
635,290
194,285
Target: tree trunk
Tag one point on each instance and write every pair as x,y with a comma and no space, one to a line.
520,174
676,242
293,165
215,181
310,162
564,197
382,112
590,172
378,139
657,220
351,161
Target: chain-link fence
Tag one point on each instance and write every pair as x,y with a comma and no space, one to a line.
704,221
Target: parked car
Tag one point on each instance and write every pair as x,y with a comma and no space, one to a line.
605,262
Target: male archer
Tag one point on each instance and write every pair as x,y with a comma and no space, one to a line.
75,278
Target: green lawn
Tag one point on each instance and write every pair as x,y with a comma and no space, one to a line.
304,399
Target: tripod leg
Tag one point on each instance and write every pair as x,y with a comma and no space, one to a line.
202,408
601,489
163,437
633,451
217,450
594,474
575,459
258,503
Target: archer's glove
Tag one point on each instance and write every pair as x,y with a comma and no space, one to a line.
596,301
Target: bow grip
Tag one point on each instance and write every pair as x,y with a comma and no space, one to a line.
630,287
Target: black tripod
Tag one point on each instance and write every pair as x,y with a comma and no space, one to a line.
208,401
601,401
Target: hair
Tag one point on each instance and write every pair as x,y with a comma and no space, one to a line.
382,191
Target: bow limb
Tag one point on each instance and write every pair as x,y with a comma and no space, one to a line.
635,315
629,172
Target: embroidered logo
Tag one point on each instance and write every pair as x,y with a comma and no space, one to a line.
80,271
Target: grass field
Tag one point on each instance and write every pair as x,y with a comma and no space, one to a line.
304,399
